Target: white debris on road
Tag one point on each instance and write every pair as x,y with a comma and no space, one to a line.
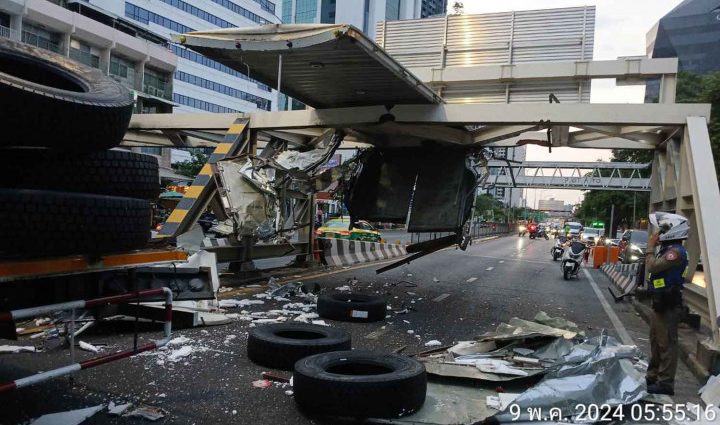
71,417
343,288
410,331
472,279
117,409
229,338
233,303
89,347
320,322
179,340
433,343
306,317
14,349
181,352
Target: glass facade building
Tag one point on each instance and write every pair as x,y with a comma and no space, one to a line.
690,32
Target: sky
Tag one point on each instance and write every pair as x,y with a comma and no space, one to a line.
620,29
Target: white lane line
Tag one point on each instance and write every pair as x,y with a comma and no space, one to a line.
472,279
619,327
441,297
511,259
489,268
501,261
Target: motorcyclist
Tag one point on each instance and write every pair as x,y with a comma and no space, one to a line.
667,271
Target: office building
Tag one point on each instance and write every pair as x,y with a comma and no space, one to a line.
362,14
690,32
136,57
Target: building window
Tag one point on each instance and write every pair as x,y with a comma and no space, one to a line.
260,102
201,104
151,150
155,83
264,5
392,10
123,71
287,12
83,53
305,11
41,38
205,16
142,15
202,60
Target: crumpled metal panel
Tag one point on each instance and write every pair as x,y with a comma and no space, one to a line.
599,371
391,181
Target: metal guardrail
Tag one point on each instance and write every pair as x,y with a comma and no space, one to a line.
10,33
477,230
696,299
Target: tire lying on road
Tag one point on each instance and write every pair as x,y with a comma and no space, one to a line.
359,384
48,100
39,223
280,345
113,172
352,307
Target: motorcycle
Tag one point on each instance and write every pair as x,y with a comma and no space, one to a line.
532,229
557,250
571,259
542,233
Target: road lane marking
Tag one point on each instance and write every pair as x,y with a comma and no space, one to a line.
511,259
501,261
619,327
472,279
441,297
489,269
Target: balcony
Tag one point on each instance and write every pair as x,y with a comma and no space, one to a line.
86,58
41,42
157,92
125,76
10,33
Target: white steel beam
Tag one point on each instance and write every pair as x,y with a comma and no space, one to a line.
706,200
633,70
485,114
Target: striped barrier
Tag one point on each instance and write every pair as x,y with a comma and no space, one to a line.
623,277
343,252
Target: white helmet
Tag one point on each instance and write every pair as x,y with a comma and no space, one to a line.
670,226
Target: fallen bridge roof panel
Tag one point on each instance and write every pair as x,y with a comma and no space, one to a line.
324,66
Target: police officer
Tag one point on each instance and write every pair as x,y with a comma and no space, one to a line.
667,270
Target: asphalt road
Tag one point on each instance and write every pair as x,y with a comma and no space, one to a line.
513,277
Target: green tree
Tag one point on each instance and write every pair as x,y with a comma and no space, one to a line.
694,88
192,167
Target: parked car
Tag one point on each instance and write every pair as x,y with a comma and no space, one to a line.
632,246
339,228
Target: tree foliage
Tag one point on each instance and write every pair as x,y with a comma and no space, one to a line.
192,167
695,88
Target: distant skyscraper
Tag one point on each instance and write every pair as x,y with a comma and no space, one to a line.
433,7
690,32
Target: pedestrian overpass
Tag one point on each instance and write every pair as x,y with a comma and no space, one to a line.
308,62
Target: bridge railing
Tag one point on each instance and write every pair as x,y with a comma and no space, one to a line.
477,230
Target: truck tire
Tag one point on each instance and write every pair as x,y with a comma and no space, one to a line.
359,384
112,173
51,101
352,307
40,223
280,345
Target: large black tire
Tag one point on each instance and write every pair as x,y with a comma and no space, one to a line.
359,384
352,307
279,346
48,100
38,223
112,173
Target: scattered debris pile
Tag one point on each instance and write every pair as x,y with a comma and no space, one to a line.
525,368
302,310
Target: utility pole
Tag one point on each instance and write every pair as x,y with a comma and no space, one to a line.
612,216
633,222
